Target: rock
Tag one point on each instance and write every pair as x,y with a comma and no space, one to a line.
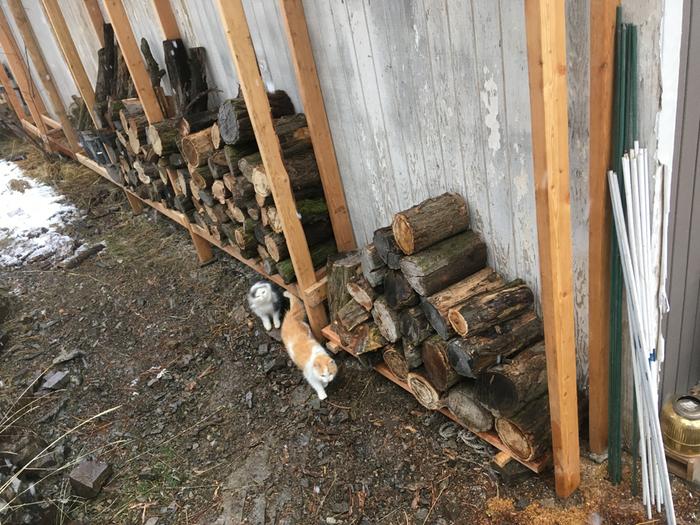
275,363
421,515
56,381
263,349
152,521
66,356
88,478
249,399
147,474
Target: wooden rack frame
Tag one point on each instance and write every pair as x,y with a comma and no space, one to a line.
546,43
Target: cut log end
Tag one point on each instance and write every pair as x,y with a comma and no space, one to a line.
403,234
425,393
458,322
395,360
515,439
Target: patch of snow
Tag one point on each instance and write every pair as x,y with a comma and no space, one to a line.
32,215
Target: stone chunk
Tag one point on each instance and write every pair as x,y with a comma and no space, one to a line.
88,478
56,381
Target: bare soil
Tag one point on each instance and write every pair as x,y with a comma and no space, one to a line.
212,424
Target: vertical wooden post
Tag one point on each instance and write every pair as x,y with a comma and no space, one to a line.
71,55
11,95
98,21
20,72
546,47
602,57
134,61
315,110
241,46
166,17
42,70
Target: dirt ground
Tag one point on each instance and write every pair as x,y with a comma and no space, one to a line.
210,422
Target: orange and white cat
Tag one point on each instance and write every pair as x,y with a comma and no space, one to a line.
309,356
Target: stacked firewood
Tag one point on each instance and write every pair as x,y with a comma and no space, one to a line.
421,298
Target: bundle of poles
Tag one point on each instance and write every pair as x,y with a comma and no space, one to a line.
640,208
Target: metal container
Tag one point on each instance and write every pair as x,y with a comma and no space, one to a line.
680,425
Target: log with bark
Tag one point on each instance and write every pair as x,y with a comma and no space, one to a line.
301,167
235,212
362,292
373,268
315,233
147,172
260,232
415,327
340,270
154,71
253,211
430,222
194,190
217,164
352,315
397,291
310,211
176,160
217,213
234,123
196,147
437,365
395,360
245,238
423,390
219,191
506,388
387,319
183,204
198,89
472,355
216,135
490,308
234,154
319,256
367,338
196,122
229,231
162,137
444,263
183,181
437,306
465,407
527,434
241,190
201,176
206,197
386,247
177,64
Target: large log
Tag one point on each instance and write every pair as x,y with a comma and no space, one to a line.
386,247
506,388
527,434
490,308
198,89
415,328
437,306
367,338
319,256
196,122
423,390
235,212
430,222
472,355
340,270
234,123
437,365
397,291
177,64
362,292
387,319
444,263
352,315
197,147
152,66
373,268
465,407
163,137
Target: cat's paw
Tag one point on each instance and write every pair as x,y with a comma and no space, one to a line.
277,323
267,325
322,395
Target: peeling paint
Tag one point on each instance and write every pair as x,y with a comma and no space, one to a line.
489,96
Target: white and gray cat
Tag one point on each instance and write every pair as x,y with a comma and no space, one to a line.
267,302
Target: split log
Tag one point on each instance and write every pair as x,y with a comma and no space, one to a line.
319,256
472,355
217,213
362,292
177,64
490,308
216,135
423,390
201,222
387,319
444,263
234,123
196,122
253,211
373,268
156,190
197,147
194,190
398,291
437,365
130,109
527,434
415,327
430,222
235,212
437,306
352,315
162,166
260,232
367,339
387,249
201,176
217,164
219,191
395,360
215,231
506,388
147,172
340,270
229,230
262,252
183,181
465,407
206,197
163,137
245,238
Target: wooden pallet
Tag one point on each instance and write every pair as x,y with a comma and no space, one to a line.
537,466
686,467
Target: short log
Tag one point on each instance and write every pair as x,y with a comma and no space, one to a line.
196,147
340,270
395,360
386,319
352,315
386,247
373,268
415,327
362,292
397,291
437,365
465,407
423,390
319,256
527,434
367,339
219,191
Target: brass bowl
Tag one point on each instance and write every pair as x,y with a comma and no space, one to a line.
680,425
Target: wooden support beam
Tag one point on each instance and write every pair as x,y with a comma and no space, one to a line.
602,59
546,47
98,21
70,53
315,110
22,77
11,94
134,61
166,17
42,69
253,88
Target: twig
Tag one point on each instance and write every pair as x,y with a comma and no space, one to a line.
434,503
320,506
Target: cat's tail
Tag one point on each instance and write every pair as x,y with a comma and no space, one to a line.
296,307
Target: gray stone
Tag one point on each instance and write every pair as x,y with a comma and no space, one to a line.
56,381
152,521
88,478
66,356
263,349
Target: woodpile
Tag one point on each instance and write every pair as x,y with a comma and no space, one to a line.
462,337
205,164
